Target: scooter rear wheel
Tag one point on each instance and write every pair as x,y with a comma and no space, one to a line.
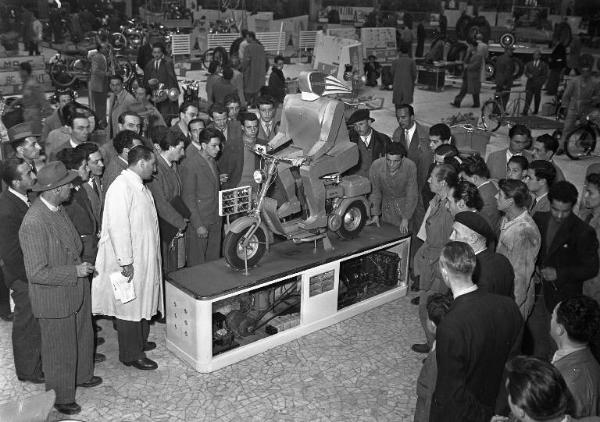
234,250
353,220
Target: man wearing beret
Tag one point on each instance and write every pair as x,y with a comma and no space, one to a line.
59,288
493,272
25,143
371,144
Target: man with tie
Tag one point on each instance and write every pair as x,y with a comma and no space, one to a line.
26,339
371,143
520,139
200,192
123,143
415,139
59,288
25,143
161,69
536,72
540,176
93,186
120,101
188,111
268,125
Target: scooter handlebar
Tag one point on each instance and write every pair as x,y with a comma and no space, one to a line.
262,151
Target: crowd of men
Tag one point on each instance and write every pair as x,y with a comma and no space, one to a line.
504,261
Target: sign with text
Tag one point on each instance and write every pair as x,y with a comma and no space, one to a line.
13,63
380,42
10,82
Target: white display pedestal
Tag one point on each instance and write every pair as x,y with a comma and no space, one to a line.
192,294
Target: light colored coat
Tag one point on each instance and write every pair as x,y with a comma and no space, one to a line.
129,236
520,242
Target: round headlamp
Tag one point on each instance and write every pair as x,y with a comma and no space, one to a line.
259,177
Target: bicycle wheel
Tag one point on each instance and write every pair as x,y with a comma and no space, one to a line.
491,115
580,142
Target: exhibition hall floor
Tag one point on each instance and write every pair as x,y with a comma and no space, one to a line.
361,369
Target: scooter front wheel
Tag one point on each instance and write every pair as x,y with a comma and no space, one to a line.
353,220
237,249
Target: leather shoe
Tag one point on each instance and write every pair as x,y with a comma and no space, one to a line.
415,300
8,317
150,345
143,364
99,357
35,380
68,408
453,104
100,341
94,381
421,348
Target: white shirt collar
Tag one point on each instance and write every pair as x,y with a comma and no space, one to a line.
49,205
73,144
19,195
510,155
537,198
484,183
367,138
462,292
561,353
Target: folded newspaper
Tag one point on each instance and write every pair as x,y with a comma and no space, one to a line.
122,288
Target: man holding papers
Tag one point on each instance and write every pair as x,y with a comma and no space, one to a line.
128,282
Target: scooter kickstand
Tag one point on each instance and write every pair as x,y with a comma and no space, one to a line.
327,244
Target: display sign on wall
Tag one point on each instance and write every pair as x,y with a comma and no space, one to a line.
10,82
352,14
349,33
380,42
332,54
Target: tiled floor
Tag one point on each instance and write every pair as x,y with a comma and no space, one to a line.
361,369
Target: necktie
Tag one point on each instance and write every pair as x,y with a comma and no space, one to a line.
157,62
533,203
95,186
588,218
406,138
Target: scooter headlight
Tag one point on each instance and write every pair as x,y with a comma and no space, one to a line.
259,177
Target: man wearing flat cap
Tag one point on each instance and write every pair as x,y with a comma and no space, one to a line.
371,144
59,288
25,143
493,272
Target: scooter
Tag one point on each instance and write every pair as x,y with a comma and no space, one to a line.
248,237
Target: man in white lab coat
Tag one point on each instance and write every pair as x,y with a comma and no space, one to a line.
130,245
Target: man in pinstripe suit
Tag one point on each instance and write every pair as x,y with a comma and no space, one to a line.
59,288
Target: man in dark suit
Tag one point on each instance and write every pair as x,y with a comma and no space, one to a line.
536,72
505,69
161,68
267,124
200,192
231,160
371,144
59,288
26,340
520,139
568,256
188,111
544,148
473,342
494,272
93,187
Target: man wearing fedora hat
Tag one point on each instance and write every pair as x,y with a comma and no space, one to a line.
25,143
493,272
59,288
371,144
